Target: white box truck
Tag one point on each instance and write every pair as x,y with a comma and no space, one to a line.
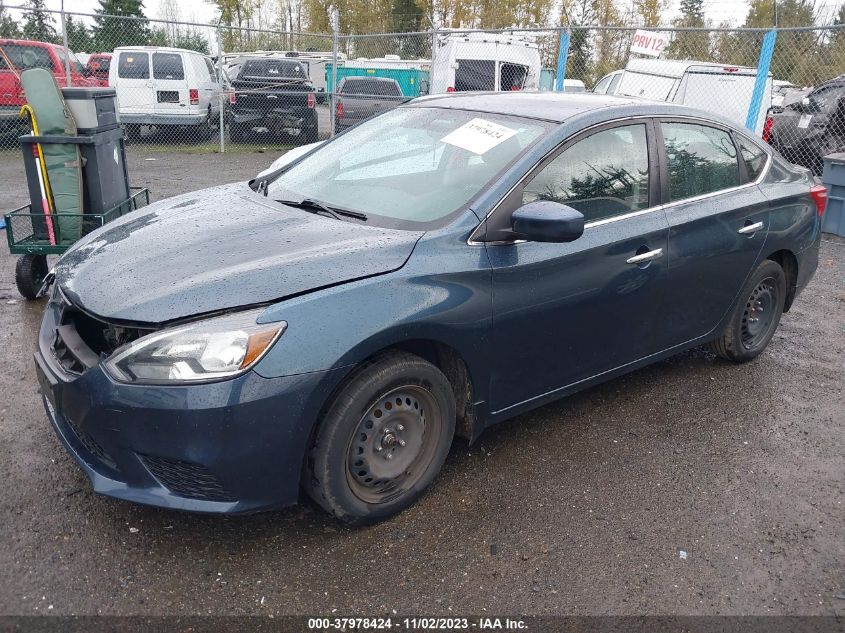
717,88
485,61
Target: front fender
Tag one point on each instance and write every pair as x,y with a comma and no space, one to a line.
442,294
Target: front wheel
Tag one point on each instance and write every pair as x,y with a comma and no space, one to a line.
383,439
756,315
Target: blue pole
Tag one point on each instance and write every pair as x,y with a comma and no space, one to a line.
766,52
562,55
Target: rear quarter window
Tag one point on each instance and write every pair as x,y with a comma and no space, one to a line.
131,65
754,158
168,66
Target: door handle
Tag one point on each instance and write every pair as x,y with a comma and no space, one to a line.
645,257
750,228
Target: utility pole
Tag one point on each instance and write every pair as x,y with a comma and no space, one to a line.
64,41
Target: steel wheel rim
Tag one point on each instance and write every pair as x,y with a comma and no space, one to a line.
393,444
759,313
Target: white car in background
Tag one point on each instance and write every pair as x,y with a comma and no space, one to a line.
163,87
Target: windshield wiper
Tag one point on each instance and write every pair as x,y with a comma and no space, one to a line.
315,206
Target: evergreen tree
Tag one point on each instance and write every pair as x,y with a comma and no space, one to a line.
797,53
112,29
8,27
78,36
407,16
38,24
693,45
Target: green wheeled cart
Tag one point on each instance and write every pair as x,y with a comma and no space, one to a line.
27,237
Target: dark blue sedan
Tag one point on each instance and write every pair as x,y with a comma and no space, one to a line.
330,327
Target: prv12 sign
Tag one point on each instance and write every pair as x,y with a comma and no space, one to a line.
648,43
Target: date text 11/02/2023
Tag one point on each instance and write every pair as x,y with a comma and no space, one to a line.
417,624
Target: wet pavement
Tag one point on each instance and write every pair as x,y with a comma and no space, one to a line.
690,487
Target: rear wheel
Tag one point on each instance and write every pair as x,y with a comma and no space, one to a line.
30,272
383,439
756,316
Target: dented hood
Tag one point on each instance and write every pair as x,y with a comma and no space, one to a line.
216,249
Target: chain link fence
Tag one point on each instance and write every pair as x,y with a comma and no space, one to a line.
217,88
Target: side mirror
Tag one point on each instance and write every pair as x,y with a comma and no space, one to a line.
547,221
424,88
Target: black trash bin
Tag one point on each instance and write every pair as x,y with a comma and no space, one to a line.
833,178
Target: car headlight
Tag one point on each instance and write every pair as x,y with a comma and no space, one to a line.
207,350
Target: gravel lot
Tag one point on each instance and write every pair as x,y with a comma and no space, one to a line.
581,507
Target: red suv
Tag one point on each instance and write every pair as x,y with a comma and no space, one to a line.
26,54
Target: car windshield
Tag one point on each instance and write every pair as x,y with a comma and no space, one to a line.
411,167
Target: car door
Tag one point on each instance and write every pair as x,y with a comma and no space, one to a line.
718,222
134,84
563,312
172,97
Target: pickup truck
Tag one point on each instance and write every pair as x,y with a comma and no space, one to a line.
359,98
26,54
274,95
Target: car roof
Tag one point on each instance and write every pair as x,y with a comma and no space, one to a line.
548,106
29,43
156,49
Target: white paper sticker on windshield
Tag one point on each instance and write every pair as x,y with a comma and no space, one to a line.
804,122
478,136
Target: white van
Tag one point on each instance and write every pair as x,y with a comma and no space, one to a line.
485,61
159,86
717,88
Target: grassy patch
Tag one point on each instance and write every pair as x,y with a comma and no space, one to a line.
204,148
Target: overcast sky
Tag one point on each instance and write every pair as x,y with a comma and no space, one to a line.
717,11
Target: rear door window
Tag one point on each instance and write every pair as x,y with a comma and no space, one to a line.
168,66
475,74
700,159
132,65
24,57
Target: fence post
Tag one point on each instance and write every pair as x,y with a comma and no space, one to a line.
433,49
335,21
562,55
64,41
766,52
222,125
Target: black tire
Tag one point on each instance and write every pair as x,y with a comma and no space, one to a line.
312,132
756,316
30,272
133,132
398,405
237,132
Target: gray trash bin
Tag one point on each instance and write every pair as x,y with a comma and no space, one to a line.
833,178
